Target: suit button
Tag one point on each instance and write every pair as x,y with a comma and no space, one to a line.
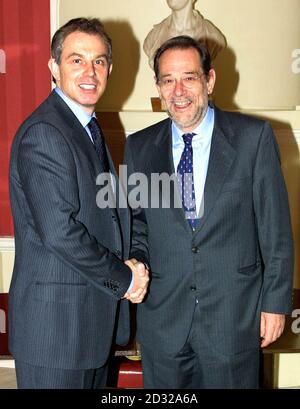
193,288
195,249
118,253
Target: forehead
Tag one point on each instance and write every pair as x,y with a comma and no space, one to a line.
80,42
179,60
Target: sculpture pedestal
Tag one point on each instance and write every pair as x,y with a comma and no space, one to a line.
156,105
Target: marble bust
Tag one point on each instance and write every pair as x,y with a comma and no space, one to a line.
184,20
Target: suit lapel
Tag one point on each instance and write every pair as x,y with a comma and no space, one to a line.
161,157
222,155
122,213
81,137
78,133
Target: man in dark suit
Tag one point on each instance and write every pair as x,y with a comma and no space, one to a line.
69,275
221,262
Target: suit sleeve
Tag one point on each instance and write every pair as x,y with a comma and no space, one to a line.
49,180
139,241
273,225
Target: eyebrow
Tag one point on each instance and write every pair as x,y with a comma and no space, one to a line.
184,73
82,56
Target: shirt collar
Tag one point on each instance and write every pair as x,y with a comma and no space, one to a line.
203,130
82,116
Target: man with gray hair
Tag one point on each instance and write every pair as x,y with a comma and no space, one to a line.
221,264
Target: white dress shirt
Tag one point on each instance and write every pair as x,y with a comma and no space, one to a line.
201,144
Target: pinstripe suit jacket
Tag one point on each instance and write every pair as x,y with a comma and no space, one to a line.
68,275
238,263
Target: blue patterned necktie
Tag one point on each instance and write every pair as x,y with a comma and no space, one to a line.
185,177
99,143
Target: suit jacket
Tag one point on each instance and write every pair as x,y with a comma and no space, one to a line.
239,261
68,274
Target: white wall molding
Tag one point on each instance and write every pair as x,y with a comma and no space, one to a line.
7,244
7,363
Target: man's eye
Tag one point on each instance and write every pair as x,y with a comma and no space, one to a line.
77,61
168,81
100,62
189,79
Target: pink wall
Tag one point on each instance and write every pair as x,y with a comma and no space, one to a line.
24,53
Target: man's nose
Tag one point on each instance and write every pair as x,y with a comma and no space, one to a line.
179,87
90,68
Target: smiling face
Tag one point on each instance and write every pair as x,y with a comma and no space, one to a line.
186,105
83,71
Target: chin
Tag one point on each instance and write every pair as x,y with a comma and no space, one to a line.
89,103
183,123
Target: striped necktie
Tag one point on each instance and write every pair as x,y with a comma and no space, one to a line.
99,143
185,177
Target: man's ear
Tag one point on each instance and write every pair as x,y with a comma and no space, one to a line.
162,101
54,68
157,87
211,81
110,69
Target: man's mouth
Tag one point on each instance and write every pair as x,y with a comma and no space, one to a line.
182,104
87,86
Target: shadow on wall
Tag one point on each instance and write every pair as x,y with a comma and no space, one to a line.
227,80
126,57
115,135
290,165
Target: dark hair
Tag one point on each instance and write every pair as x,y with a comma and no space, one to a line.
183,43
85,25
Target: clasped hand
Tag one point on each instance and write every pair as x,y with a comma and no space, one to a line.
271,327
141,281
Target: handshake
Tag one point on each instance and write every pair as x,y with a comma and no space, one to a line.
141,281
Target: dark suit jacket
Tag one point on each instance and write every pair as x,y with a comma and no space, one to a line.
238,263
68,275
